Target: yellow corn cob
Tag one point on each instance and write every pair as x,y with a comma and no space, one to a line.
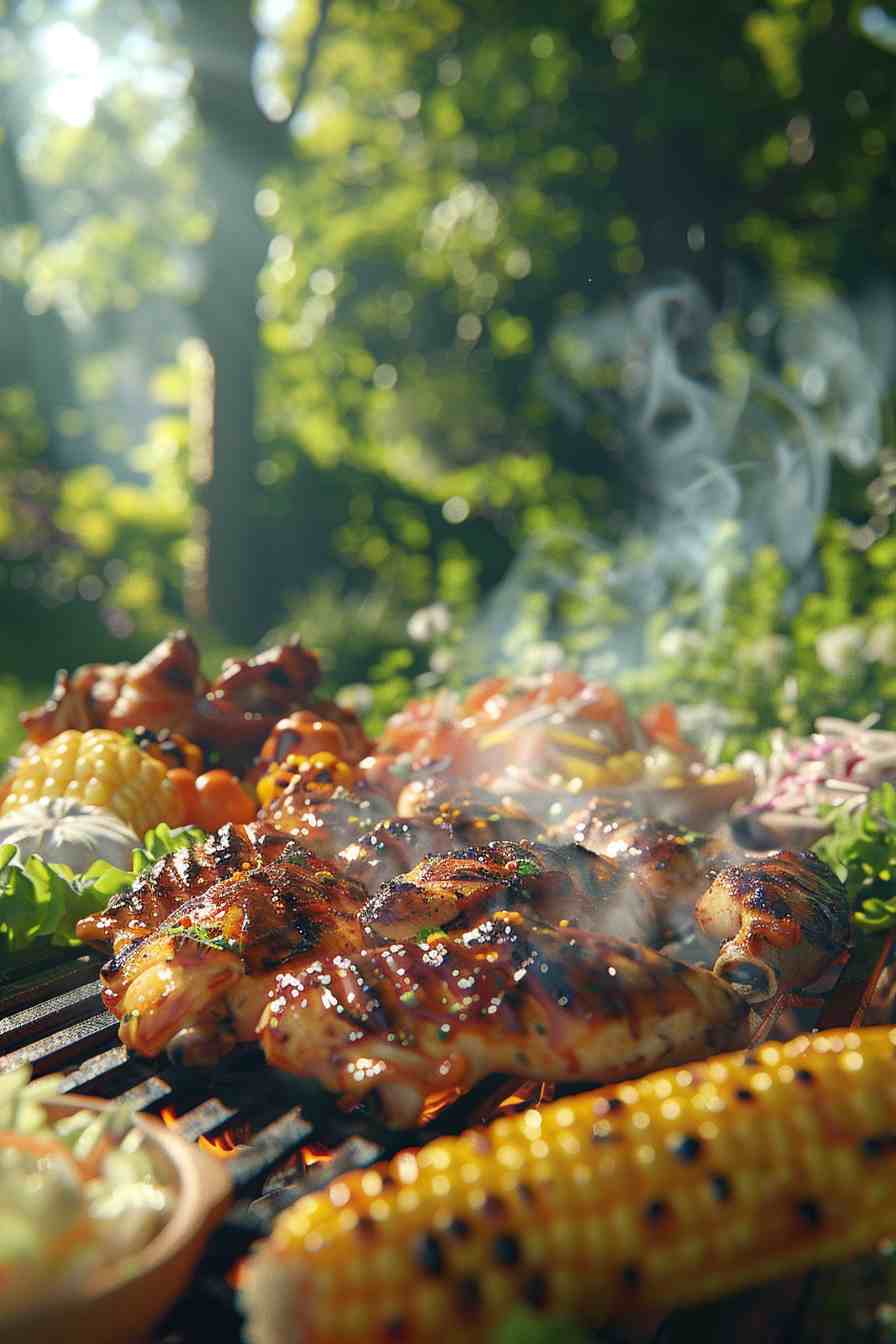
676,1189
98,767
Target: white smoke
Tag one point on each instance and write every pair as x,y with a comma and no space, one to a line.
726,425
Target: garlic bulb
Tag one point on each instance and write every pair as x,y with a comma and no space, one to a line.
63,830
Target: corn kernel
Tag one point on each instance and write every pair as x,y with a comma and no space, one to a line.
100,768
732,1196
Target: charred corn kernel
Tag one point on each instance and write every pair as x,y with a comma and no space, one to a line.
583,1228
101,768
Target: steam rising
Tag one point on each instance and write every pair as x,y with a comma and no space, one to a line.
727,430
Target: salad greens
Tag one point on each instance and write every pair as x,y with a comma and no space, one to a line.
40,900
861,849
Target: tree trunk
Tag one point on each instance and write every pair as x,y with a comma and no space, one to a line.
240,147
34,348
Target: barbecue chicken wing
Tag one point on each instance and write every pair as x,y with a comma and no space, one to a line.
461,887
784,922
157,692
393,847
210,962
408,1020
156,893
233,716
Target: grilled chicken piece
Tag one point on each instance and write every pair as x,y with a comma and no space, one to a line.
269,681
459,888
160,690
244,703
671,863
210,962
393,847
132,914
785,919
326,824
408,1020
157,692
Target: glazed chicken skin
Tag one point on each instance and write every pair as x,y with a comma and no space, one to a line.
405,1021
395,846
326,822
232,715
155,895
208,965
457,889
157,692
784,925
672,865
670,859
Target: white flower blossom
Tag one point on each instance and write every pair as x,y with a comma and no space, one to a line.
441,661
881,645
768,654
680,642
357,697
429,622
838,649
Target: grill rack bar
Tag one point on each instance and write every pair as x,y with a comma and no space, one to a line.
50,1020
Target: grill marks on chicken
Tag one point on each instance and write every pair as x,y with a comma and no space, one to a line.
157,893
541,966
783,921
326,825
223,944
396,845
465,884
508,996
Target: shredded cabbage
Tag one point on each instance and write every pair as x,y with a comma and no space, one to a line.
837,766
77,1191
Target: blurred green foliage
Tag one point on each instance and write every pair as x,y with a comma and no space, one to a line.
454,190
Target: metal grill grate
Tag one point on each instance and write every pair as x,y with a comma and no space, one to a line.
53,1019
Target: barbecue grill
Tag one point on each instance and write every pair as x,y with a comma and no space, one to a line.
271,1128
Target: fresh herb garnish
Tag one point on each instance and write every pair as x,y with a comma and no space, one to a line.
216,938
427,932
527,868
861,849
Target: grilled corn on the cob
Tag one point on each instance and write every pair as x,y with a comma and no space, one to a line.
101,768
681,1187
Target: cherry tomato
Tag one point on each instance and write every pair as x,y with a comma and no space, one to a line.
660,723
220,799
482,692
184,782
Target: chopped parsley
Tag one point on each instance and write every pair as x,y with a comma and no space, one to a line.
207,937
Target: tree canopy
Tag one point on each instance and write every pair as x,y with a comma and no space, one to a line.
317,313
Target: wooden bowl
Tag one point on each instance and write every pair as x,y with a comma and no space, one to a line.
121,1302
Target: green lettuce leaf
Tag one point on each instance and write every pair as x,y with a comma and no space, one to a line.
40,900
